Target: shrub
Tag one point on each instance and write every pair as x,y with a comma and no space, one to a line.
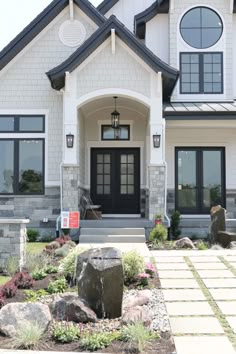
158,234
9,290
63,251
34,296
54,245
39,274
143,278
71,243
65,231
47,238
2,300
97,341
11,266
65,332
68,264
57,286
175,221
63,239
28,336
202,246
50,269
36,261
32,235
138,335
23,280
150,269
133,265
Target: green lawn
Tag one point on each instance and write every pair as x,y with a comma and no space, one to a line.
35,247
4,280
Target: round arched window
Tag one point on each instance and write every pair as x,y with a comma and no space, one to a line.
201,27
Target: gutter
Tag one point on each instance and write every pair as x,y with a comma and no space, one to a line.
165,164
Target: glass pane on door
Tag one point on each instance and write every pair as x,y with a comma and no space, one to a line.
212,178
187,179
103,174
127,174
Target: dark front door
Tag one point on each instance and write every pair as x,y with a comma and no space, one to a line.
115,180
200,179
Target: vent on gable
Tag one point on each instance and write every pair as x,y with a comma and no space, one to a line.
72,33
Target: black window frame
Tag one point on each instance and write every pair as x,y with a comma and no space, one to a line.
109,126
17,118
16,172
201,73
200,27
199,174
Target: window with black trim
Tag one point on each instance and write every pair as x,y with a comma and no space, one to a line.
109,133
22,124
22,166
201,73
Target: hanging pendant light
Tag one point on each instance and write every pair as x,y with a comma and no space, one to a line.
115,117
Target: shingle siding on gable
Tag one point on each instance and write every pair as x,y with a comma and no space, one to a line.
24,85
108,71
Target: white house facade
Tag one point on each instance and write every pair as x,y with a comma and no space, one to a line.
171,66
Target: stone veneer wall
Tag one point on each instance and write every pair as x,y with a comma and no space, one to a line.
156,190
70,190
12,240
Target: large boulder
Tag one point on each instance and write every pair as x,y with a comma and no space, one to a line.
15,315
100,281
184,242
68,307
218,223
137,314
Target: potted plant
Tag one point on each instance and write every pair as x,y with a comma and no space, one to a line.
158,219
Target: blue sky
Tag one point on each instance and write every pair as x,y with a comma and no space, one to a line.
16,14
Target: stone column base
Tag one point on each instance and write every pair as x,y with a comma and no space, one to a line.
156,200
70,190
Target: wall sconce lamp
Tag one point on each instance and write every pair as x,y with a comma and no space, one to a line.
70,140
156,140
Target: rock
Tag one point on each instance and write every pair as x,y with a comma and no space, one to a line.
217,223
142,298
14,315
232,245
68,307
137,314
184,242
100,281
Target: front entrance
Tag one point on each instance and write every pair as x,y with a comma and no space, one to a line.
115,180
200,179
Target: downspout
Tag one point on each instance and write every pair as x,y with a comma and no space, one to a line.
165,164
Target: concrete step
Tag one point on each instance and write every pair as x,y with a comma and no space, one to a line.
112,239
117,223
112,231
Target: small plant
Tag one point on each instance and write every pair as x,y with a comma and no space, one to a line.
23,280
28,336
50,269
57,286
137,335
65,332
158,219
32,235
65,232
36,261
39,274
11,266
2,300
150,269
143,278
158,234
71,243
133,265
98,340
63,239
68,264
63,251
202,246
34,296
175,221
8,290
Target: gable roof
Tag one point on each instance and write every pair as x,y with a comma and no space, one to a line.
106,5
140,20
170,75
40,22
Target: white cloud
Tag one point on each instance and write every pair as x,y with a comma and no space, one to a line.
17,14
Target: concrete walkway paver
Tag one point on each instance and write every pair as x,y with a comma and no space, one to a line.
200,295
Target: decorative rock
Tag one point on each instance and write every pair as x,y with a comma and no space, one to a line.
15,315
184,242
68,307
100,281
142,298
217,222
137,314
